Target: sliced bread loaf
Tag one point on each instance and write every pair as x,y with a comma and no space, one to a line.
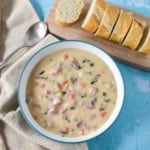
145,47
110,17
122,26
68,11
100,9
94,16
135,34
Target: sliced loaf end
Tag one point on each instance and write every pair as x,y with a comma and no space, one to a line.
145,46
68,11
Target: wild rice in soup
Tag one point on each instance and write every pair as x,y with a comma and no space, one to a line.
71,92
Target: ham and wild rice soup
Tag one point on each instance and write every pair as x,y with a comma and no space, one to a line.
71,93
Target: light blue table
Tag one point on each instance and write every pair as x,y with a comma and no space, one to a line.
131,131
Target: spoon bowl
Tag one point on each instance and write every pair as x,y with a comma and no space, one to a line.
35,33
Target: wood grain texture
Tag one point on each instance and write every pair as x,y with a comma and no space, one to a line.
75,32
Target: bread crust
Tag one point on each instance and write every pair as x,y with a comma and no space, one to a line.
60,21
109,19
135,34
100,9
94,16
145,47
92,25
122,26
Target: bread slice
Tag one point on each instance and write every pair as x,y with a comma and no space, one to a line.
110,17
135,34
122,26
145,47
100,9
68,11
94,16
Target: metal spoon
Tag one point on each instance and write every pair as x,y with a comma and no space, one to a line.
32,36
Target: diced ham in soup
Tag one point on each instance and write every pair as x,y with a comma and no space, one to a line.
69,88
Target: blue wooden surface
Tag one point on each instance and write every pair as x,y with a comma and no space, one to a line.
131,131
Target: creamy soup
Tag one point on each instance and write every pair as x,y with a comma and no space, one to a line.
71,93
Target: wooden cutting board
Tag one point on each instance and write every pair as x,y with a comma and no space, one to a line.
74,32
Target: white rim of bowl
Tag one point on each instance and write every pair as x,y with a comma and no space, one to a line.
58,46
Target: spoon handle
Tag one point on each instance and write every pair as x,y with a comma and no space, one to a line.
4,62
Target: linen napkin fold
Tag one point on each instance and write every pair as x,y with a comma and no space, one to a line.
15,17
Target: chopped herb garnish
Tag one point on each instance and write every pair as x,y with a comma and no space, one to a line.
101,109
104,94
98,75
107,100
72,108
91,64
85,60
93,82
80,67
73,80
46,112
47,97
41,72
27,101
77,67
94,101
63,92
82,96
66,118
64,132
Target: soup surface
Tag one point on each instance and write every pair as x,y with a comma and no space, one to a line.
71,93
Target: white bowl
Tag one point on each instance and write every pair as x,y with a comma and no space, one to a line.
58,46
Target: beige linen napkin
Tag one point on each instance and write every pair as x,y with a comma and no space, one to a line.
15,17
